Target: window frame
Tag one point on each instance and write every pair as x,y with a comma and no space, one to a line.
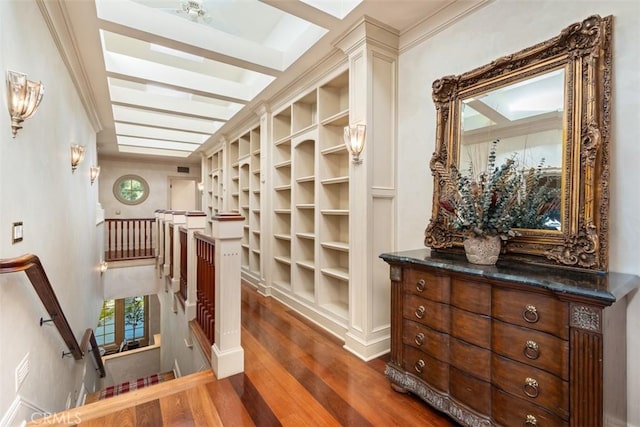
127,177
119,326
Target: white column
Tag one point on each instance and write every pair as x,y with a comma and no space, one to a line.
372,48
179,220
227,354
195,222
168,219
159,249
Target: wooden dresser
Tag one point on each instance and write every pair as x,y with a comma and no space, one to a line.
509,345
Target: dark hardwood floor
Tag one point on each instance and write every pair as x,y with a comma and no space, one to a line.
295,375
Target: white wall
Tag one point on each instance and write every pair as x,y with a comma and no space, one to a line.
58,210
500,28
123,280
157,176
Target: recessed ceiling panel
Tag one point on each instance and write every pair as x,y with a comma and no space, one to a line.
152,118
127,129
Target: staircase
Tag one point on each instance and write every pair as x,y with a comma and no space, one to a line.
150,405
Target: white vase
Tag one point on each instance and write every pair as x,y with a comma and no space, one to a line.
482,250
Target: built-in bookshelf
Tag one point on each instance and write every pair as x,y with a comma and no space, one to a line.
310,194
245,163
213,185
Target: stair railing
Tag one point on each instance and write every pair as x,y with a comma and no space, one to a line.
89,339
32,267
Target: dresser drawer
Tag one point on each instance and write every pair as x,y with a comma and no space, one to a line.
470,358
420,364
511,411
426,339
471,296
471,327
427,312
533,385
531,310
531,347
428,285
469,390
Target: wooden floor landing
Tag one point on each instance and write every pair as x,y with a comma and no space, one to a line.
295,375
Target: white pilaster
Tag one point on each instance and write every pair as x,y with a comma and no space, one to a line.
227,354
372,50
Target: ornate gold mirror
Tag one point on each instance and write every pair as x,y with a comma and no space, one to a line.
549,107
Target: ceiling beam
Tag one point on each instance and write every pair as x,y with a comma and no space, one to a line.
304,11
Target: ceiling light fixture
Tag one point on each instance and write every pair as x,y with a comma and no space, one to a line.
193,9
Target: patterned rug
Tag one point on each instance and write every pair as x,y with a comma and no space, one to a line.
128,386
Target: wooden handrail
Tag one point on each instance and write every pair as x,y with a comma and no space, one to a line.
89,339
32,266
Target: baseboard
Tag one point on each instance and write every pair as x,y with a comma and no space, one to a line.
8,419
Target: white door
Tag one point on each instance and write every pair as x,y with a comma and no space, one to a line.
183,194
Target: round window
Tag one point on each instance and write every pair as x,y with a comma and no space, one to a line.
131,189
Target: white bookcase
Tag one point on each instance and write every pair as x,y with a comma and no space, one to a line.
214,185
312,234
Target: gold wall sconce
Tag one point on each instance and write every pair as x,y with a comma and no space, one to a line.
77,154
354,139
94,173
23,98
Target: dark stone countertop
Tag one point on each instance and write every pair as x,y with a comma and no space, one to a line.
605,287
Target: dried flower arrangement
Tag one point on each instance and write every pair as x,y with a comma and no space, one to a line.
501,199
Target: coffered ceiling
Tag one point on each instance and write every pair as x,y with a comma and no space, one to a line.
161,78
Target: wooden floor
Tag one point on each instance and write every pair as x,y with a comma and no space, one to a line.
295,375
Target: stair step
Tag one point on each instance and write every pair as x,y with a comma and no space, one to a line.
129,386
133,398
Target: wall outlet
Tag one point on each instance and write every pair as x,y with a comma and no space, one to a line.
22,370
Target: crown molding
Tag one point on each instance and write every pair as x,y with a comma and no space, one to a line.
57,19
438,21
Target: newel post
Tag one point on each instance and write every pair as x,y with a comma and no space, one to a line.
166,250
227,354
179,219
195,222
159,241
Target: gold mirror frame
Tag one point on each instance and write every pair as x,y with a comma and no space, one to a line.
583,49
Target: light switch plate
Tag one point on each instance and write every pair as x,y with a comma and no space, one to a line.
16,232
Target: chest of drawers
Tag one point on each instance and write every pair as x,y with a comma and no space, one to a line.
509,345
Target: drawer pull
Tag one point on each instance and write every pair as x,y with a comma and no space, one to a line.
420,285
531,421
531,387
419,366
420,312
531,350
419,338
530,314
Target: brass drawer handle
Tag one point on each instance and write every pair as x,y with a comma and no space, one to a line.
530,314
531,350
419,338
420,285
420,312
531,387
531,421
419,366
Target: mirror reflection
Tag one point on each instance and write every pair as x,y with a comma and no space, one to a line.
527,119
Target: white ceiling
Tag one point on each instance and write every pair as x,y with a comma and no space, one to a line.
164,79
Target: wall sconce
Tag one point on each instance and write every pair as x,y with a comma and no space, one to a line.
23,98
354,139
94,173
77,154
103,267
201,187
